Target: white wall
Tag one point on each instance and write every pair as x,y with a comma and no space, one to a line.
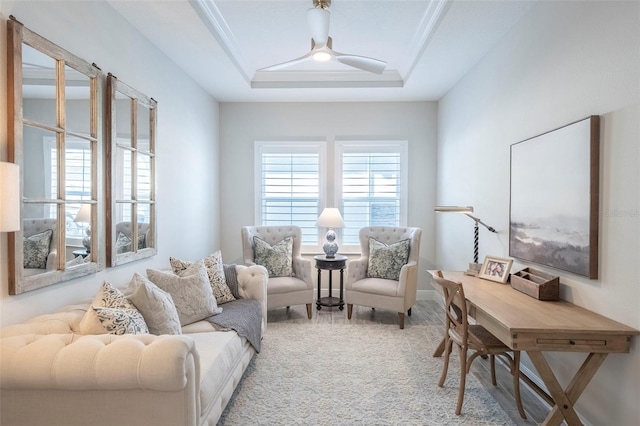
243,123
563,62
187,143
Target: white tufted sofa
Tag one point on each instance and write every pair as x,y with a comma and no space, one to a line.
51,375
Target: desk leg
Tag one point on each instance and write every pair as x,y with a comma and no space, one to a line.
564,401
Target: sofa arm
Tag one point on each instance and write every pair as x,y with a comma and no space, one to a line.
252,284
98,362
356,271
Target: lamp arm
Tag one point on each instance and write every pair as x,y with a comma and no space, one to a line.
477,220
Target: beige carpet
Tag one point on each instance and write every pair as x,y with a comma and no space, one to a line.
360,374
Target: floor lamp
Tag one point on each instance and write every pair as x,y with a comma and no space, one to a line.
474,267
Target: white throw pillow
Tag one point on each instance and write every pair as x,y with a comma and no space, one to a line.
215,272
155,305
190,291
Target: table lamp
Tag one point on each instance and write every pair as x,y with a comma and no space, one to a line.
330,218
9,197
84,216
474,268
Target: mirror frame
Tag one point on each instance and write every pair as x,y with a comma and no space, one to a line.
17,35
114,87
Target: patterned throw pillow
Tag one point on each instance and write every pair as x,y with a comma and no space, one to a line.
121,320
386,261
123,243
107,297
190,291
276,258
36,250
215,272
155,305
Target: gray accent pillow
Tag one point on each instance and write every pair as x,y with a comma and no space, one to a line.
190,291
276,258
121,320
155,305
386,261
36,250
215,272
123,243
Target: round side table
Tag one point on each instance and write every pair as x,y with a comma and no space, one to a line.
323,262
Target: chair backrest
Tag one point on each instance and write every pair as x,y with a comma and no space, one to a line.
270,234
455,307
390,235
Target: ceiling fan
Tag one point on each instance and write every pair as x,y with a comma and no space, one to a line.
321,44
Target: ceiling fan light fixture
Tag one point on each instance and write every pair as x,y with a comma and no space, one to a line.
321,56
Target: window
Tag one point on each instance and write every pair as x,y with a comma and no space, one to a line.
288,185
372,186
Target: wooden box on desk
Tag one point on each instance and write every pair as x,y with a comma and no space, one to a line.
536,284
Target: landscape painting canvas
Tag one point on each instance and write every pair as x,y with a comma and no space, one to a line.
554,198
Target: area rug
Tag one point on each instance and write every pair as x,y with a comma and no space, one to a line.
360,374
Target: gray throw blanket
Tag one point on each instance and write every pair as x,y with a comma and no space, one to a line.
242,315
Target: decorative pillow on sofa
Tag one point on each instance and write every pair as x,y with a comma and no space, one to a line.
107,297
190,291
215,272
155,305
121,320
386,261
276,258
36,250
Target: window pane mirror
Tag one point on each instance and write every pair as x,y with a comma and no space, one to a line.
54,127
131,128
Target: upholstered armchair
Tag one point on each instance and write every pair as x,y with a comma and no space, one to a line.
278,249
385,275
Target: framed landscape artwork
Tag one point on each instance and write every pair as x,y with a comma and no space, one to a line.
555,198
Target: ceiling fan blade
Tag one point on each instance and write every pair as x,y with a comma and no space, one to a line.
287,64
318,21
362,62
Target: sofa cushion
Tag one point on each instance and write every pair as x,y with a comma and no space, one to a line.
190,291
386,261
215,272
121,320
155,305
109,297
276,258
36,250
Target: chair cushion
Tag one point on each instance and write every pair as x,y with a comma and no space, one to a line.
36,250
190,292
386,261
276,258
379,286
215,272
278,285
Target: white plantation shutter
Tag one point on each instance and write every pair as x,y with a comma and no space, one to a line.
288,178
372,179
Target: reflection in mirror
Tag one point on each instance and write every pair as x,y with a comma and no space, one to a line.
53,103
131,157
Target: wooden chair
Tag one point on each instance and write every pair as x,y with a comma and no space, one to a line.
473,338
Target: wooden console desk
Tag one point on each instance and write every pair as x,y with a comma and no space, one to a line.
526,324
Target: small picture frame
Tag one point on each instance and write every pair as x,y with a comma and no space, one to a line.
495,269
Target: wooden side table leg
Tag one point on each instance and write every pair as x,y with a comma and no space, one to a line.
563,410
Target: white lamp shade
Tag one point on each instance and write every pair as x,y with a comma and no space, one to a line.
84,214
9,197
330,218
